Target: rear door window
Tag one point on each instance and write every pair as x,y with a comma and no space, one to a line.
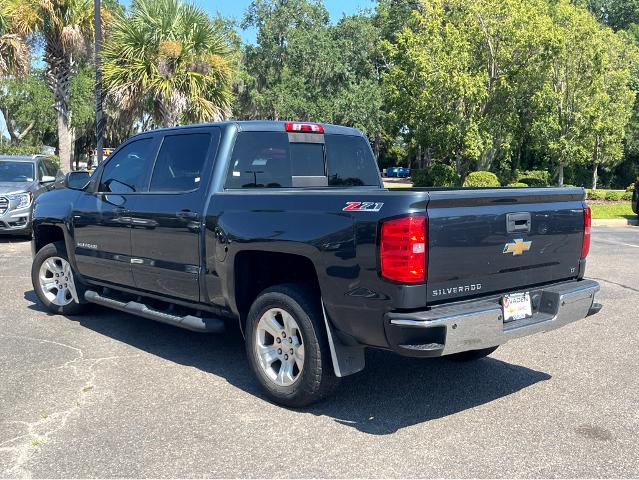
260,160
180,161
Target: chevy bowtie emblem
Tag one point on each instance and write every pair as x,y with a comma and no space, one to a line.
517,247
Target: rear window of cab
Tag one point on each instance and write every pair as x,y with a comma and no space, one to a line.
270,160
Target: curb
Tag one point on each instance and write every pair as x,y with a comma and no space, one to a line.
614,222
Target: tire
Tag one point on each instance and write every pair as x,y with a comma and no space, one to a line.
299,386
49,262
471,355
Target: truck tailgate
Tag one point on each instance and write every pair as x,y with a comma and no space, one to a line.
502,240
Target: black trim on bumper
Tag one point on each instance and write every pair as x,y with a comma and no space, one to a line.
479,324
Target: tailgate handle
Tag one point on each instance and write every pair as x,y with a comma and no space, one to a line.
518,222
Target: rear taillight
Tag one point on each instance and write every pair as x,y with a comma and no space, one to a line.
299,127
585,246
403,249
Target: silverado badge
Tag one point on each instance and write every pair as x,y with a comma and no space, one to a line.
517,247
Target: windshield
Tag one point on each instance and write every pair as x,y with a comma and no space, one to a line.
16,171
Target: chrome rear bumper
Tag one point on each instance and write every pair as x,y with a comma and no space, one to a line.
479,324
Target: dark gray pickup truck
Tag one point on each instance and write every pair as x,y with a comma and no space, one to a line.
287,229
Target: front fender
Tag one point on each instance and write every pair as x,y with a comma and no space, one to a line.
55,209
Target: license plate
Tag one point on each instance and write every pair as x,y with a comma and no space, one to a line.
516,306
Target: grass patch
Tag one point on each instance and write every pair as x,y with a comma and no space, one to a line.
397,185
612,210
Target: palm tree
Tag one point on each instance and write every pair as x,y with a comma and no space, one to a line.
14,49
66,29
168,57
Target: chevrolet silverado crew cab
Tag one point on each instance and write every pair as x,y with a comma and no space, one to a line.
287,229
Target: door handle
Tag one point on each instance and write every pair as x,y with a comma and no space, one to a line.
518,222
188,215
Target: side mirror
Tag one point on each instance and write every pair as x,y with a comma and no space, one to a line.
77,180
47,179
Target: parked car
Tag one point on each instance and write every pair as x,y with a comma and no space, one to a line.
286,228
399,172
22,178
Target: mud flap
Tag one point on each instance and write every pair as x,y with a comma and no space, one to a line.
347,359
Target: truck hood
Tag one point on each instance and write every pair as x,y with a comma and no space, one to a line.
14,187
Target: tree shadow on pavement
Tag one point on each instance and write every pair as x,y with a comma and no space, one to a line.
14,239
392,393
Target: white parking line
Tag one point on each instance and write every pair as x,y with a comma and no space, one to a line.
615,243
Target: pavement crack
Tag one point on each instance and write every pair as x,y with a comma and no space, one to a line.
21,448
616,283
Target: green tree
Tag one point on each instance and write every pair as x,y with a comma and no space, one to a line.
614,101
617,14
461,70
304,68
260,92
65,28
172,56
82,104
586,99
14,47
25,104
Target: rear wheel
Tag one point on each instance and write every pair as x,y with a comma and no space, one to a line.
471,355
54,282
287,347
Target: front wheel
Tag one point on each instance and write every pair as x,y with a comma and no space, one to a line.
53,281
471,355
287,347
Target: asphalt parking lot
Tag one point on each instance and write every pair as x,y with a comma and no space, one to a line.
112,395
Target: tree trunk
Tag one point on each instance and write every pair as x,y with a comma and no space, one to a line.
428,158
170,110
64,143
595,164
376,146
561,174
60,68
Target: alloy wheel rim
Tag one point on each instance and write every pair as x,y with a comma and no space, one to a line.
56,281
279,347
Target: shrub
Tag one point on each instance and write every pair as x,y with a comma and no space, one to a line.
614,195
535,178
438,175
9,149
481,179
419,178
517,184
627,196
596,194
631,188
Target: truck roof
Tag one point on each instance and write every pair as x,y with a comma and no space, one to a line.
267,126
22,158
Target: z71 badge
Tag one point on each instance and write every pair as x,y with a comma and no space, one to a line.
362,207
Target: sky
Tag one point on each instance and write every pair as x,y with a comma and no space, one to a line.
235,9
